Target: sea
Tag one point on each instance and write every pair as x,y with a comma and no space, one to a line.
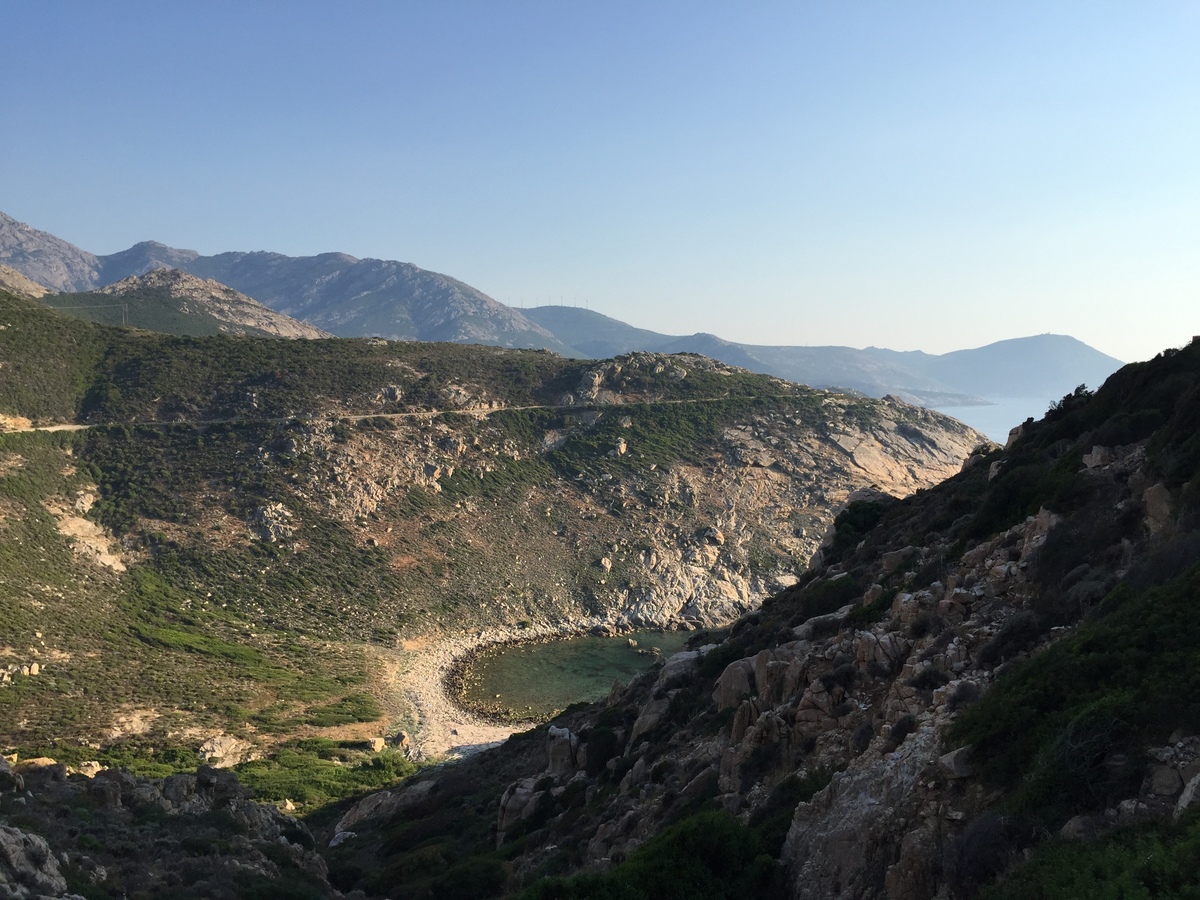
1002,414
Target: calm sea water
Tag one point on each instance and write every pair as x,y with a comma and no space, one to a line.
1004,413
542,679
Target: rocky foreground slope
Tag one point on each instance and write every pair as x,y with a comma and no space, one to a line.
1005,657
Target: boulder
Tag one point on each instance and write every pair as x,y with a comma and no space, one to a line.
1158,508
562,748
41,767
1189,798
957,763
224,750
518,803
9,779
746,715
678,667
387,803
734,685
178,789
1082,828
893,559
1162,781
27,867
651,717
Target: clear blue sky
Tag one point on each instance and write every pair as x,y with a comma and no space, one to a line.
915,175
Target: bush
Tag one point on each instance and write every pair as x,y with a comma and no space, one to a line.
602,745
710,855
1020,632
1143,861
1046,729
929,679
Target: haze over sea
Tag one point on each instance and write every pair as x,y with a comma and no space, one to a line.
998,418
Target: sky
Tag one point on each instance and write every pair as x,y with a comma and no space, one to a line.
912,175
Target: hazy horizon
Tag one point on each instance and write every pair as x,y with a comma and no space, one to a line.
912,176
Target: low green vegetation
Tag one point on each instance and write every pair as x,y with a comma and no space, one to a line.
1050,730
314,772
1145,862
710,855
49,359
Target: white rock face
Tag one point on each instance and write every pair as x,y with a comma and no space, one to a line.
224,750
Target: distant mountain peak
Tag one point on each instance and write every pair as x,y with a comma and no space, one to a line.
46,259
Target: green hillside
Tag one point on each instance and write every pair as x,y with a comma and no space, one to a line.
279,516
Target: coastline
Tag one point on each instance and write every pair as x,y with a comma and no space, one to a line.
436,665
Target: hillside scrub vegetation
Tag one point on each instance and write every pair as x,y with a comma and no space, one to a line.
997,659
250,530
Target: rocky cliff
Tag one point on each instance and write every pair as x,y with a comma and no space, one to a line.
960,674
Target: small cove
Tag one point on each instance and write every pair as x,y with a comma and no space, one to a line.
536,680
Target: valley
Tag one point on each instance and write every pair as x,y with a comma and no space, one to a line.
252,579
273,526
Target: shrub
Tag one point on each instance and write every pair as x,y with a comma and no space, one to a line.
710,855
602,745
1129,677
929,679
903,727
1143,861
1020,632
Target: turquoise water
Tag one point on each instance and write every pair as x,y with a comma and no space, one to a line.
538,680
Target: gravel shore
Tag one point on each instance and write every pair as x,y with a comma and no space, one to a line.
444,728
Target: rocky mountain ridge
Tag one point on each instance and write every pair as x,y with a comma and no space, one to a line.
337,292
1038,366
353,297
961,673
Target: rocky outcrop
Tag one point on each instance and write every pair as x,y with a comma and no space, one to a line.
15,283
684,544
28,869
162,291
211,839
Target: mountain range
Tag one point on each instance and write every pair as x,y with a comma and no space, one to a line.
351,297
